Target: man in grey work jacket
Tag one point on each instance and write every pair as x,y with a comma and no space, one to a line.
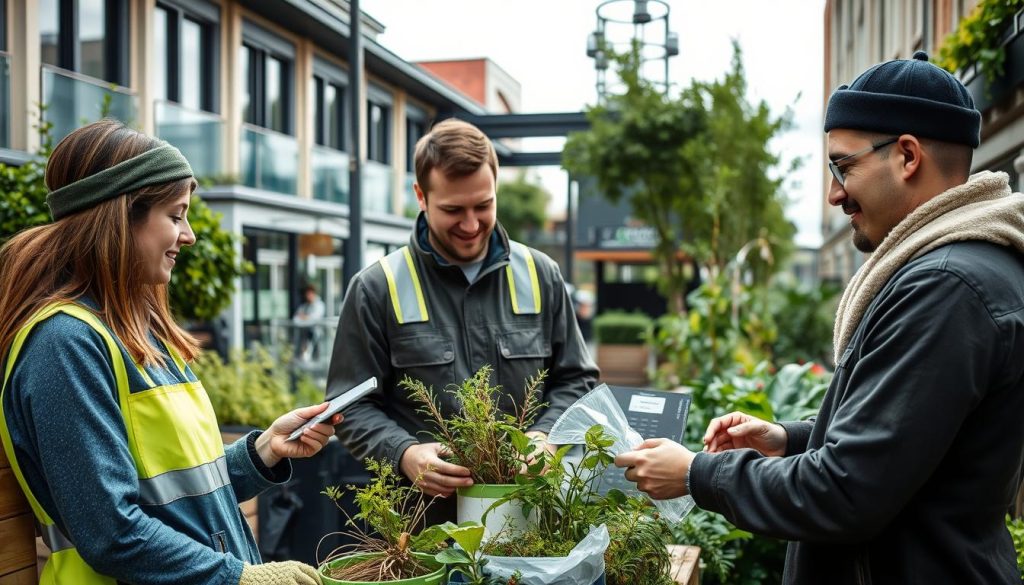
459,296
907,472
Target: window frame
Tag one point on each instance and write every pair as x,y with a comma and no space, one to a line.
414,115
207,16
263,45
115,41
326,73
377,96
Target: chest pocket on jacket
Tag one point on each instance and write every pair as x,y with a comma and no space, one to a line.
520,355
429,358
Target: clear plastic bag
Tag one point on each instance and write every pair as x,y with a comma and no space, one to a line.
599,407
582,566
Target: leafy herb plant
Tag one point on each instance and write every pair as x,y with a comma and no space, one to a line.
488,441
391,510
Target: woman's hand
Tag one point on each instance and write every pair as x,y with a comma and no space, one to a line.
273,444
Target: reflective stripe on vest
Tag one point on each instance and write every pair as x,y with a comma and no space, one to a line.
523,285
404,287
173,438
410,305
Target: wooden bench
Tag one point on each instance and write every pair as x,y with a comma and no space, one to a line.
685,564
17,531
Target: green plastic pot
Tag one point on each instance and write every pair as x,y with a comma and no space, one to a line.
436,577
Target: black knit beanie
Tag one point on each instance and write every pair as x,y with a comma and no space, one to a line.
909,96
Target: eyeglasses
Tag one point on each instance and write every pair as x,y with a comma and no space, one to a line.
837,172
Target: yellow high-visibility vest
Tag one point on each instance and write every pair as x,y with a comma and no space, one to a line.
172,435
409,302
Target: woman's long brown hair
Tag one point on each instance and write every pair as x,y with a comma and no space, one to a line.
93,252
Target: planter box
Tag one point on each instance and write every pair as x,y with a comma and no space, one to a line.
17,531
623,365
685,568
987,94
437,577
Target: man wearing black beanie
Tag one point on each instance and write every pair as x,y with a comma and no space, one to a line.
907,472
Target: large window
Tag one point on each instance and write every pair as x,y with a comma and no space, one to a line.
86,36
266,63
329,86
378,118
415,128
185,53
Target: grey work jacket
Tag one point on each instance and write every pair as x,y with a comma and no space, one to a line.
469,325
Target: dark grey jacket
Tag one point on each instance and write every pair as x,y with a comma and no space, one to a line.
470,325
907,473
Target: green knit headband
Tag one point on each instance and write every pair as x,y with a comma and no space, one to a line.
162,164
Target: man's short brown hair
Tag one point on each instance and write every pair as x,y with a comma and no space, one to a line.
456,148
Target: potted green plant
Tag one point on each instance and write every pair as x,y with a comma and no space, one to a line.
489,442
622,353
386,549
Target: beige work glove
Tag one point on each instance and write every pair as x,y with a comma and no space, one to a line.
282,573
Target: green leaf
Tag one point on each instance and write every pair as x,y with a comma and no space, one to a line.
453,556
467,535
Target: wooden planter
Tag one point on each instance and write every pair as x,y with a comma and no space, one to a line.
623,365
17,531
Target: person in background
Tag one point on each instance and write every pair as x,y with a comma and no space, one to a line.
907,472
110,435
306,317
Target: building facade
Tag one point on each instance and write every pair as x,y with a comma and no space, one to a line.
860,33
255,93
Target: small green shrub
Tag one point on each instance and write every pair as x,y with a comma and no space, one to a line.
251,388
1016,528
618,327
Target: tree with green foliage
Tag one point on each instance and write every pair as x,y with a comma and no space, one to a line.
695,167
522,206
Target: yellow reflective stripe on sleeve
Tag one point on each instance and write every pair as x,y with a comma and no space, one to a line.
523,284
162,445
404,287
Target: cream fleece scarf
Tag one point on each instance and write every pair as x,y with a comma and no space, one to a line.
981,209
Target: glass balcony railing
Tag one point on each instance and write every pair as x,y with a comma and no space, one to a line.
410,206
330,174
377,187
72,100
269,160
5,100
198,135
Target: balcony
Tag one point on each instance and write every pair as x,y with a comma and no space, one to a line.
269,160
330,174
198,135
72,100
5,100
410,206
377,187
987,94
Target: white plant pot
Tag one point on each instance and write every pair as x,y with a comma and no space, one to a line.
473,502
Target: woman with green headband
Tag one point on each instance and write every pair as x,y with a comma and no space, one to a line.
109,433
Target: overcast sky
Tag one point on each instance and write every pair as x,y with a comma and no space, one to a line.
542,44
